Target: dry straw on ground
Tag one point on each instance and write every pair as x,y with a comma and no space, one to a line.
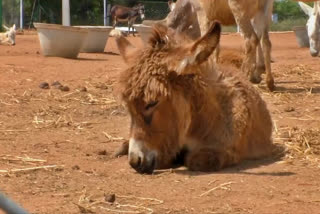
303,145
122,204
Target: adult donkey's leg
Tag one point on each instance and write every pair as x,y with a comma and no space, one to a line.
266,47
128,27
251,39
130,24
261,24
258,26
114,22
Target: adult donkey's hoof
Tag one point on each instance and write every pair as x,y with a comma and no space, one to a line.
270,84
255,79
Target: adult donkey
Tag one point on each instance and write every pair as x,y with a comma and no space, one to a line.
125,14
252,16
313,26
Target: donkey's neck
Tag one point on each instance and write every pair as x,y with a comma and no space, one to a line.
206,111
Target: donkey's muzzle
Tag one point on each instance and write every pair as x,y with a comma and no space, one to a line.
142,165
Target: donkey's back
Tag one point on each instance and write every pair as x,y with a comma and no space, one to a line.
123,13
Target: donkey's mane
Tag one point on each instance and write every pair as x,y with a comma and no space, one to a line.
150,77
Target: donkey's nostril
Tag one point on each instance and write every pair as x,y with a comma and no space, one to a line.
135,161
148,166
142,165
139,162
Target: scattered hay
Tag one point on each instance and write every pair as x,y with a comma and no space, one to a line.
122,204
26,159
225,186
57,109
30,169
111,138
18,164
303,144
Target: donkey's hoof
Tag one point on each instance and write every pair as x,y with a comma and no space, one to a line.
270,84
255,79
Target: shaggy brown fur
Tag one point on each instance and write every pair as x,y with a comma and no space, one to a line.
231,57
179,103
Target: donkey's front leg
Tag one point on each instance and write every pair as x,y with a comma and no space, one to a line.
114,23
251,41
130,24
251,44
129,27
207,159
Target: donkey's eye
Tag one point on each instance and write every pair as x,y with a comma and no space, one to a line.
147,119
151,105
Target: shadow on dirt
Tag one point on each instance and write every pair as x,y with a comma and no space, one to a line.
94,59
89,59
312,90
111,53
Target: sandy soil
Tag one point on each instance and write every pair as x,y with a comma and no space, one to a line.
76,133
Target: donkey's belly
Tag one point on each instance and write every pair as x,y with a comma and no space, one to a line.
218,10
122,20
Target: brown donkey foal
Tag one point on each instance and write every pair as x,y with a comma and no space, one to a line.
183,107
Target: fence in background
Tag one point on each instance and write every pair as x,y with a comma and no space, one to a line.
91,12
83,12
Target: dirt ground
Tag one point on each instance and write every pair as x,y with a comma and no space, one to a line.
72,136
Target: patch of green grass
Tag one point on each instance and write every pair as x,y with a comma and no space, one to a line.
288,24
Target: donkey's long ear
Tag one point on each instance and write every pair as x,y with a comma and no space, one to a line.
204,47
5,27
306,8
14,27
125,48
201,49
316,7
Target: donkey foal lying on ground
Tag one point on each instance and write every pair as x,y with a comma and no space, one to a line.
180,104
9,37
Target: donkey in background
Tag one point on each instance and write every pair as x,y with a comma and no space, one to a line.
8,37
125,14
313,26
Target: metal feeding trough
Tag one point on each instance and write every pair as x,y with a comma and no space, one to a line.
301,36
60,41
96,39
